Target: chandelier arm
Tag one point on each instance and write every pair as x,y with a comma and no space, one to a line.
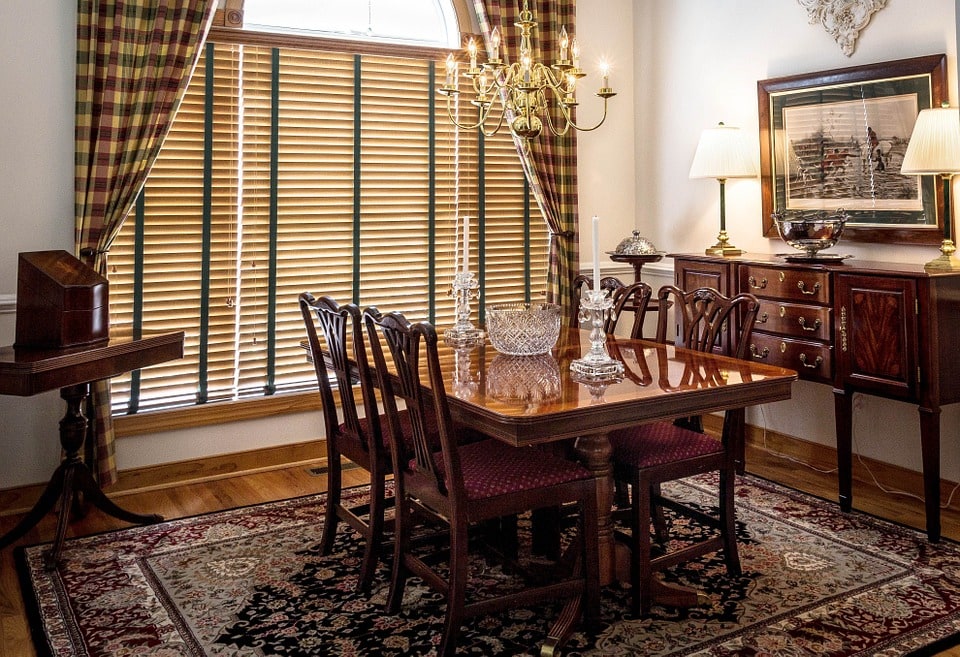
481,119
503,111
583,129
566,126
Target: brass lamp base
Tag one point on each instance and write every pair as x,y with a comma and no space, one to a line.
723,246
947,260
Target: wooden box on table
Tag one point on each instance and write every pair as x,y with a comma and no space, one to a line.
61,302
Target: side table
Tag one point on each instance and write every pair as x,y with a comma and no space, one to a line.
27,372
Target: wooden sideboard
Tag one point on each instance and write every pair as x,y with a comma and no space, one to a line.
884,329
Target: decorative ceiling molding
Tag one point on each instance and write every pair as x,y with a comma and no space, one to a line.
842,19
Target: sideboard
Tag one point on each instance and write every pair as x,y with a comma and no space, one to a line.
884,329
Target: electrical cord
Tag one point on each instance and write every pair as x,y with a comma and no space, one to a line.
856,445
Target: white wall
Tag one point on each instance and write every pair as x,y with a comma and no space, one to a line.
607,163
678,65
698,63
37,51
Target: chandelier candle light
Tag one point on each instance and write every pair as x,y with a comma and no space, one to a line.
465,287
523,87
594,307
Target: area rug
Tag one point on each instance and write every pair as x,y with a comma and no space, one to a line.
250,581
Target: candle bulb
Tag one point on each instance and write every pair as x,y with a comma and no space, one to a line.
575,47
596,252
495,44
450,65
605,72
466,244
472,49
564,44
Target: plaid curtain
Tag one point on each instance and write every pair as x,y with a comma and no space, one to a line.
549,161
134,60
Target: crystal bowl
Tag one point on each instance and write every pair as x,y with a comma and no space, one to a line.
810,232
523,329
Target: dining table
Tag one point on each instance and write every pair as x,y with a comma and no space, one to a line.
537,399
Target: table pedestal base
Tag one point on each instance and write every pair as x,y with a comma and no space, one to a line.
595,452
72,482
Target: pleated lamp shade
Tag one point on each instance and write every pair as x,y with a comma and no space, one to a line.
722,153
934,146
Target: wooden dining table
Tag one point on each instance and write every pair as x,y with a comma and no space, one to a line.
533,400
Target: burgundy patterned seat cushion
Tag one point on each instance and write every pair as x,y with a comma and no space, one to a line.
658,443
491,468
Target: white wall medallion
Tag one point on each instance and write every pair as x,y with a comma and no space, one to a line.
842,19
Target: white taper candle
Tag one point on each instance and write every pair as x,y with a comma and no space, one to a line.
596,252
466,244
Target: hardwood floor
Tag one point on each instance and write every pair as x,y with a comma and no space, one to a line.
242,490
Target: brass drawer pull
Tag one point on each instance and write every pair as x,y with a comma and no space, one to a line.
762,319
803,324
803,288
759,354
843,328
814,365
757,286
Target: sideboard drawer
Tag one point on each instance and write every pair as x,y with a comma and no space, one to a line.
812,360
803,285
794,319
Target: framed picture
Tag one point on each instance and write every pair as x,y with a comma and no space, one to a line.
836,139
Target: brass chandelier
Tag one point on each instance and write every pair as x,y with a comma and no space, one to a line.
523,87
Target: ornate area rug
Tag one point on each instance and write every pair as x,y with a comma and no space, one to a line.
250,582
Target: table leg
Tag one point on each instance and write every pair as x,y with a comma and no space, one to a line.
930,450
596,453
71,480
843,408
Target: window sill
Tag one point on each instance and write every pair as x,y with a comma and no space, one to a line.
215,413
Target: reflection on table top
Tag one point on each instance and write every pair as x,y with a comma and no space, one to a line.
535,399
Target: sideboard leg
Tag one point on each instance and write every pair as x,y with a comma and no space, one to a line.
843,408
930,450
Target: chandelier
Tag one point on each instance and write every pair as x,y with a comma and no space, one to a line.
522,88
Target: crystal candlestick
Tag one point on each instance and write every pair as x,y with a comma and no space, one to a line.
597,363
463,332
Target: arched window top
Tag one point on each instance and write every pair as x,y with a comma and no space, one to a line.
414,22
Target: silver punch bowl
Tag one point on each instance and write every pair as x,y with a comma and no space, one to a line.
810,231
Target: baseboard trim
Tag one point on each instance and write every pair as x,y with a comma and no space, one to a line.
824,458
310,454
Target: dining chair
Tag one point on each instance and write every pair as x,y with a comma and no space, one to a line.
463,485
342,356
626,297
648,455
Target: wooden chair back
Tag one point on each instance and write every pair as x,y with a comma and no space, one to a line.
633,298
703,316
400,381
341,358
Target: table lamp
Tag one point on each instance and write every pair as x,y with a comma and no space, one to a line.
722,154
934,150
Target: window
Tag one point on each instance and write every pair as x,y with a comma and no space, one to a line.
298,167
424,22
